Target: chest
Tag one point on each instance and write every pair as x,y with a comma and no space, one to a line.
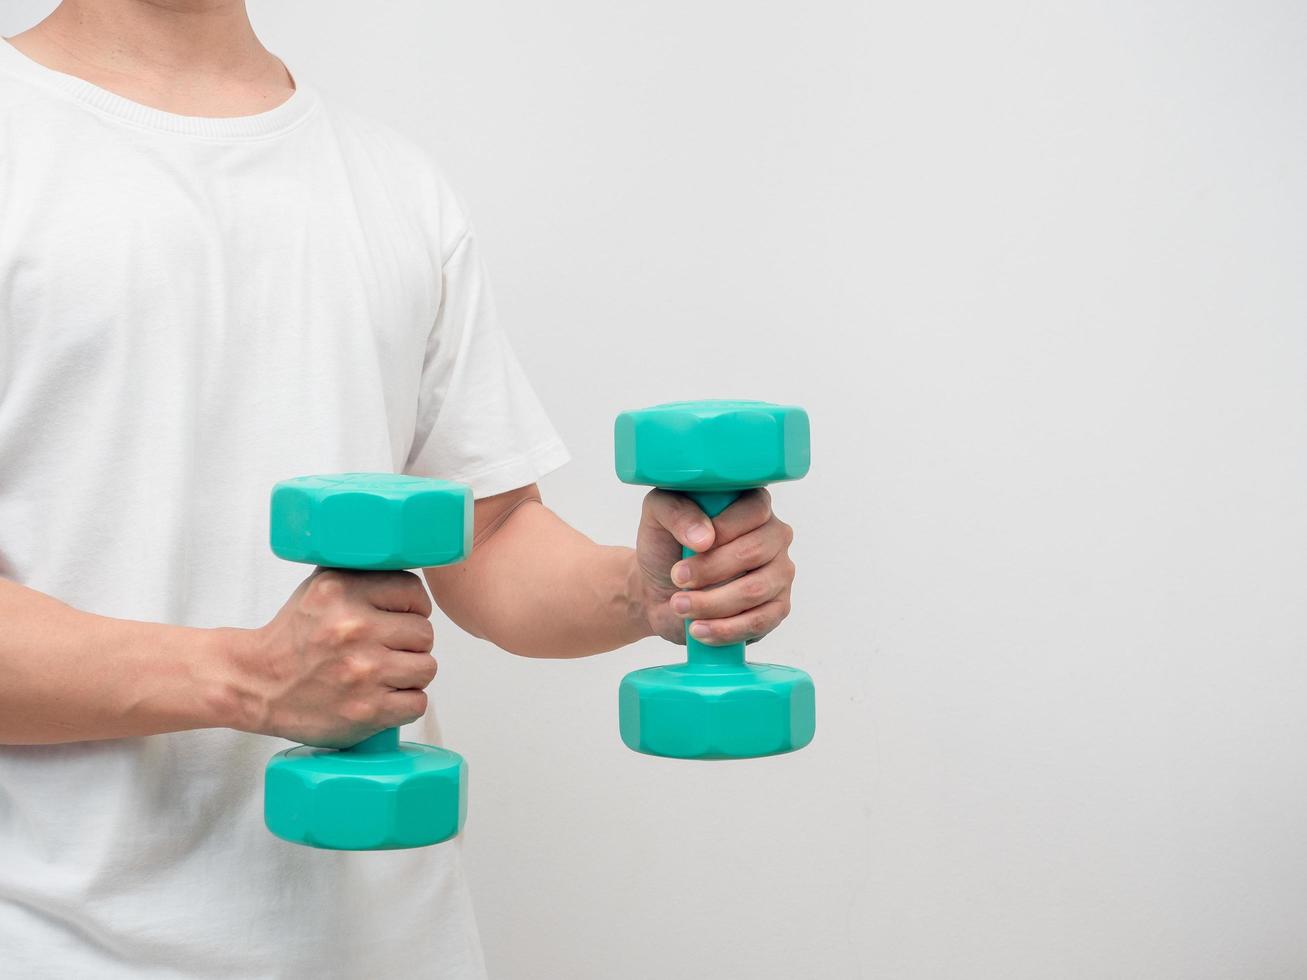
210,261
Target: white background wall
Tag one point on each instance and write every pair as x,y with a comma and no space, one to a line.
1039,273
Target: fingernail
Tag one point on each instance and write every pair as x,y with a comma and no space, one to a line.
681,604
700,631
680,574
699,535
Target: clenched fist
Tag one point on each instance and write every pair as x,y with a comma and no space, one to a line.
737,588
348,655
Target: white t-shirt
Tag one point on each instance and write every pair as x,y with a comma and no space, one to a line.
190,310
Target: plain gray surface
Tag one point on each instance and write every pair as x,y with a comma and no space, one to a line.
1037,272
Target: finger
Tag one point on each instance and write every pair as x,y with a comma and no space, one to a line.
744,593
397,591
406,631
404,671
752,625
744,554
402,707
679,516
752,509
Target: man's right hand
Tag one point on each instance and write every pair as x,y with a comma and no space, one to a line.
348,655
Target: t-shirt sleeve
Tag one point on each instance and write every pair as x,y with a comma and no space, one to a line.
479,421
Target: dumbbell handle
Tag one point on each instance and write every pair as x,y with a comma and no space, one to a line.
386,740
730,656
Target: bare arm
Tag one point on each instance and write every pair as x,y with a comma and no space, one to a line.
67,675
347,655
537,587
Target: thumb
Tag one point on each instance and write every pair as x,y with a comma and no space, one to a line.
681,517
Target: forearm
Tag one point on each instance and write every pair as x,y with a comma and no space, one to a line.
537,587
68,675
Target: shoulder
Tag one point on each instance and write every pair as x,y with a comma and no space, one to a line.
404,164
21,97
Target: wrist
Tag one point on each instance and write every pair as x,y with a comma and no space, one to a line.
636,598
231,697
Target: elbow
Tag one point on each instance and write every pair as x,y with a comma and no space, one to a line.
539,648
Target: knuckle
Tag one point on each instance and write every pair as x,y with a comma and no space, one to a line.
328,586
411,584
358,671
749,552
428,633
359,712
783,574
759,623
417,707
348,629
754,589
787,533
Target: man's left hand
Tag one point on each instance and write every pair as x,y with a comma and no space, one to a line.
736,589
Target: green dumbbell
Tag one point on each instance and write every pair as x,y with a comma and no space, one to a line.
716,705
381,793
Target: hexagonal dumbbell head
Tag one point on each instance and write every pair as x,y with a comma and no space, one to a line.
371,521
712,445
714,710
715,705
381,793
410,795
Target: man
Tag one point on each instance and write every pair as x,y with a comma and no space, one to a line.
212,279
